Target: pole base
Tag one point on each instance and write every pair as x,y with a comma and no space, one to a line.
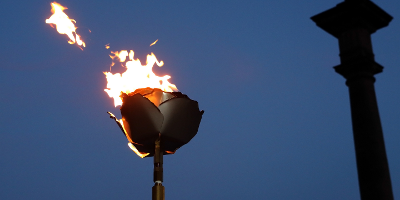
158,192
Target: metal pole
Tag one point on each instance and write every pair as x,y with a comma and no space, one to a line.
158,190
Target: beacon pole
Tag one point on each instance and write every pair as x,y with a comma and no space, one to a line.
158,190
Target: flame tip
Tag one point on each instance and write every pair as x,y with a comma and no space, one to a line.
64,24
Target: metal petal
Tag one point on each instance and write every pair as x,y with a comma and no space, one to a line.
142,121
181,121
157,96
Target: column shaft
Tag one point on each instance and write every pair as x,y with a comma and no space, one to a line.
372,165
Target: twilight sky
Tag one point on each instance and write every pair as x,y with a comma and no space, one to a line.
277,117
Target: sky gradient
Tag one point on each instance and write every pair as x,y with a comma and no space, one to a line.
277,117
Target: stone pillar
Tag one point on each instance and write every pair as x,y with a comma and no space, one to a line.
352,22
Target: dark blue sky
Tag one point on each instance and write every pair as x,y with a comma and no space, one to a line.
277,117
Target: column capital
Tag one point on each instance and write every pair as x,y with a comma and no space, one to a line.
350,14
352,22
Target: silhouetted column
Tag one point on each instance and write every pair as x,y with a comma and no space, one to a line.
352,23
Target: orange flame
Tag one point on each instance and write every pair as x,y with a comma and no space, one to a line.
64,24
136,76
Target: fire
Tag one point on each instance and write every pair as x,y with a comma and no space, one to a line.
64,24
136,76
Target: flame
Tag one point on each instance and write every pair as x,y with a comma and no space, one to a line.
154,43
136,76
121,55
64,24
107,46
142,155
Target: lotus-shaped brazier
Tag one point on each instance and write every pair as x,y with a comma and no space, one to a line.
150,114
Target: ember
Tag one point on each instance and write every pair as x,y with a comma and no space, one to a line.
154,43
